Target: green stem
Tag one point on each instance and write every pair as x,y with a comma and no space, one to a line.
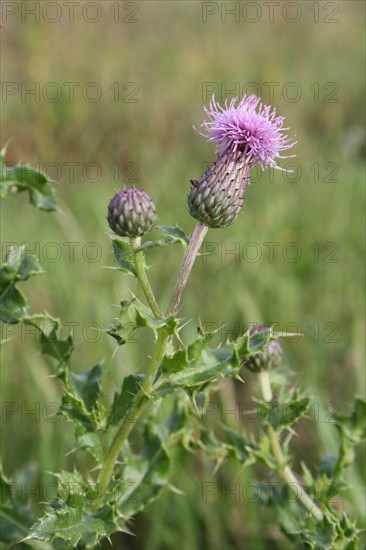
284,469
143,396
141,400
142,277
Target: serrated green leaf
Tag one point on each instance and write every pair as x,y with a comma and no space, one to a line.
249,344
71,518
178,427
90,442
175,363
352,430
324,489
135,315
269,494
87,385
242,448
197,365
171,235
207,366
282,415
144,475
236,446
142,316
196,348
13,305
124,254
120,333
333,532
124,399
80,401
263,453
82,391
78,528
16,518
22,177
18,266
353,427
51,341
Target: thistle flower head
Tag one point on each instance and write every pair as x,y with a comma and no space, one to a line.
245,133
249,128
131,213
268,358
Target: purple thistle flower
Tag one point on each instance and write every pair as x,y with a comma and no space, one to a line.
245,134
250,128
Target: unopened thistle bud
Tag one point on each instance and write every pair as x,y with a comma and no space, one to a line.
131,213
269,358
245,134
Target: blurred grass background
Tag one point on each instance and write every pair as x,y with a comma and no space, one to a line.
170,55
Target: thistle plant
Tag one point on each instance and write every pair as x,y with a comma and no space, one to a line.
92,505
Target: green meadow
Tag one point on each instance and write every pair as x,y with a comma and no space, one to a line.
111,103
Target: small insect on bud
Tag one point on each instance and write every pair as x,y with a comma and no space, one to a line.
131,213
269,358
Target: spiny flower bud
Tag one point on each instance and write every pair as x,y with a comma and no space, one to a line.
246,134
217,198
131,213
270,357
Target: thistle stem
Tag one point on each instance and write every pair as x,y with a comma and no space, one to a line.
138,406
187,263
143,395
284,469
142,277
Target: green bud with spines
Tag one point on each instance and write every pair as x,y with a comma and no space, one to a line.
131,213
269,358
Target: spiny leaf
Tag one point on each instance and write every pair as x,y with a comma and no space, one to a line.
282,415
135,315
171,235
123,401
90,442
242,448
209,365
175,363
142,316
16,518
22,177
80,401
51,341
353,427
18,266
352,430
87,385
335,531
71,521
198,364
124,254
145,475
